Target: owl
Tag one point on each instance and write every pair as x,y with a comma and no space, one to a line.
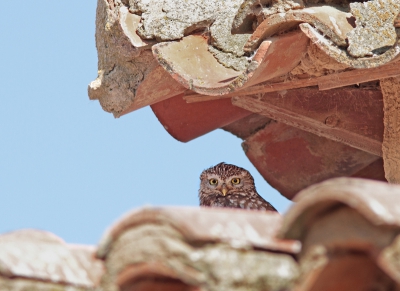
230,186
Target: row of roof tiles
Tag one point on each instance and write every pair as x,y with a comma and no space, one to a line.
294,51
275,47
342,234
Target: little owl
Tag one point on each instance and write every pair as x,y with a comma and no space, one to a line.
230,186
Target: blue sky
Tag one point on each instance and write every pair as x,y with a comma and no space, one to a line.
68,167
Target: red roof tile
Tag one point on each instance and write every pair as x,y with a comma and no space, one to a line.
186,121
209,225
196,68
197,248
147,57
348,229
377,201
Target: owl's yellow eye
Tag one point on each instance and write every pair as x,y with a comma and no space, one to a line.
235,181
213,182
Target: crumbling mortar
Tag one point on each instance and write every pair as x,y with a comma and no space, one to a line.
316,63
122,67
374,27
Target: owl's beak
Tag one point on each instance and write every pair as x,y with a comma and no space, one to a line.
224,190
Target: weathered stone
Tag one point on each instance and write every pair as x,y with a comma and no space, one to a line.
259,9
118,76
229,60
375,30
332,22
342,56
316,63
173,19
128,75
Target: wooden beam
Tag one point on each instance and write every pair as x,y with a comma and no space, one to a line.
359,76
391,149
324,83
273,87
349,116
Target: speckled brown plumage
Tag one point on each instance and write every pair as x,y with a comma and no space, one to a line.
226,185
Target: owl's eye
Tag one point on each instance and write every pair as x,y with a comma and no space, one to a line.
213,182
235,181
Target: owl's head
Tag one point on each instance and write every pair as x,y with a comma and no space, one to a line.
224,179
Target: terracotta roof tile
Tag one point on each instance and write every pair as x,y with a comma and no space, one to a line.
196,68
291,159
376,201
247,126
38,255
349,230
169,53
332,21
208,225
192,248
186,121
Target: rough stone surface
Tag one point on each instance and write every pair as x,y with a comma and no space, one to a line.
121,67
259,9
342,56
173,19
316,63
391,153
329,21
229,60
375,30
130,77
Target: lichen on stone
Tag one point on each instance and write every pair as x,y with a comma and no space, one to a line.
229,60
173,19
375,29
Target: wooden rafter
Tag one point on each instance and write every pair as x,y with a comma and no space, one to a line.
348,116
324,83
391,153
